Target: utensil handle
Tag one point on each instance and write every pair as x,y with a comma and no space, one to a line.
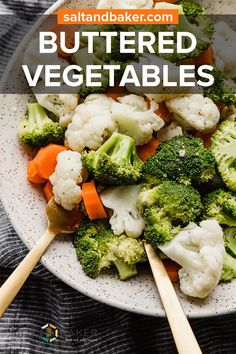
14,283
184,337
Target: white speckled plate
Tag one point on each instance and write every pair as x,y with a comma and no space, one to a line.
25,206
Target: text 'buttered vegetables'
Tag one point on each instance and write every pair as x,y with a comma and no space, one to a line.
142,56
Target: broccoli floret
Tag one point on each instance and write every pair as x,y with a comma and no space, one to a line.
116,162
191,10
223,90
230,240
37,129
229,268
223,146
97,249
166,209
182,159
191,20
83,58
221,206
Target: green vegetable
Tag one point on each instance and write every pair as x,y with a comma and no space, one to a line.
116,162
223,146
229,268
191,10
191,20
83,58
221,206
223,90
230,240
182,159
166,209
37,129
97,249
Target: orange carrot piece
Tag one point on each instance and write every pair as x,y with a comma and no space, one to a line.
149,149
48,191
164,113
206,137
206,57
33,175
172,269
116,92
92,201
46,159
69,33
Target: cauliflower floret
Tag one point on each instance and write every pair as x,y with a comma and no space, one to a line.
134,118
170,132
224,48
125,4
200,251
91,123
62,105
65,179
126,217
158,97
194,111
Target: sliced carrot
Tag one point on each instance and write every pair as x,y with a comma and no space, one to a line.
48,191
220,106
92,201
46,159
164,113
172,269
70,38
149,149
206,57
206,137
32,172
116,92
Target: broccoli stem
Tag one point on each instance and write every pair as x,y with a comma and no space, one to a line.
37,115
125,270
119,147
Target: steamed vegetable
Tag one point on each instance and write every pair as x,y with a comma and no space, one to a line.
37,129
194,112
200,251
91,124
66,179
62,105
46,159
166,209
92,201
134,118
123,203
223,90
221,206
182,159
116,162
148,150
97,249
191,20
223,146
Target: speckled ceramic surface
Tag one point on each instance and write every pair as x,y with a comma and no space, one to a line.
25,206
